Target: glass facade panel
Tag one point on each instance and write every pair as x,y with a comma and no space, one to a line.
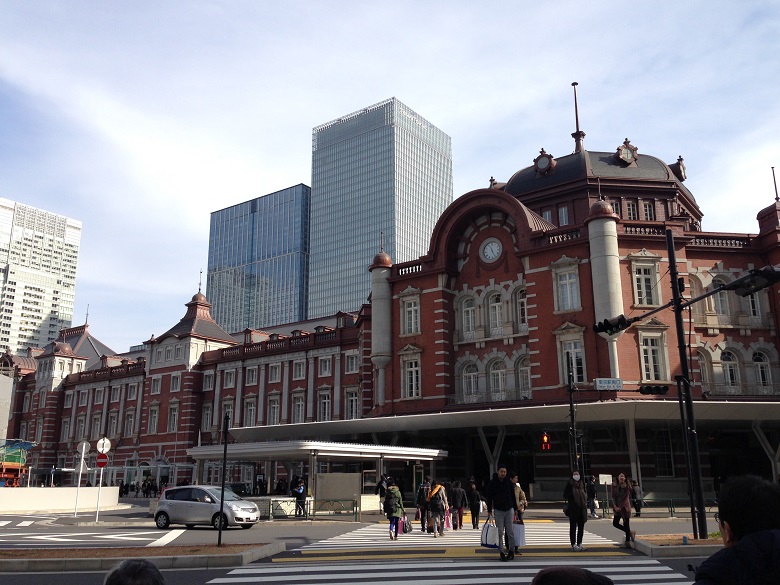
384,169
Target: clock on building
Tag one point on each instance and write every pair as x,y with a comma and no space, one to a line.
491,249
626,152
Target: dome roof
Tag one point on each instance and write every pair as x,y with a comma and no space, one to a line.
382,260
199,297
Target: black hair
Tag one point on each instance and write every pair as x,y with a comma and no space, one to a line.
749,503
500,465
389,481
135,572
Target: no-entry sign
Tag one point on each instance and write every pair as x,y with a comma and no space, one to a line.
102,460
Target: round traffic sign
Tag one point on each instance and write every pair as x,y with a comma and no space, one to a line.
83,448
102,460
103,445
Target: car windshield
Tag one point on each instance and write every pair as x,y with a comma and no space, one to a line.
230,495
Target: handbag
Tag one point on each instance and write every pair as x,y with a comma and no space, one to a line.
596,503
519,532
489,537
566,509
447,522
407,526
482,506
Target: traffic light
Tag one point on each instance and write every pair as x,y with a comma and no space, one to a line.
545,441
651,389
612,326
757,279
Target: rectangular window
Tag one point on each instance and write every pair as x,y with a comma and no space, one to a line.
154,415
250,413
568,291
99,396
155,386
96,426
115,393
273,411
353,405
754,305
230,378
324,407
168,354
65,430
132,391
227,410
178,352
83,397
563,216
547,215
39,430
649,209
251,376
411,378
632,211
664,456
652,363
112,424
324,364
299,370
159,354
208,381
275,373
351,363
129,423
411,316
205,418
298,409
173,418
574,360
645,282
81,427
68,399
175,383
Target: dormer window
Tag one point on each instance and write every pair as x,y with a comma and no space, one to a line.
627,153
544,163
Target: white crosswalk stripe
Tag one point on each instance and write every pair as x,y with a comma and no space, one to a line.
435,572
377,536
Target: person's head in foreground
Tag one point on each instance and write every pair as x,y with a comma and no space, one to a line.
134,572
747,504
569,576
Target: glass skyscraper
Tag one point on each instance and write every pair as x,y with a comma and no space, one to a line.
39,253
383,169
258,261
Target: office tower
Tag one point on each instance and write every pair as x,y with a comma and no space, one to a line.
39,254
258,261
383,169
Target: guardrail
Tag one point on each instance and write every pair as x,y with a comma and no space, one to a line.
286,507
664,506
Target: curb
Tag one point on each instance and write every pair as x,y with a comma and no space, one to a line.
177,562
687,550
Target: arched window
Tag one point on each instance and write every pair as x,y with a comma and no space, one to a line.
720,300
704,369
730,368
497,372
469,315
495,315
470,387
521,305
524,377
763,373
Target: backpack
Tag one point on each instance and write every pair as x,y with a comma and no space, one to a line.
422,494
437,500
390,504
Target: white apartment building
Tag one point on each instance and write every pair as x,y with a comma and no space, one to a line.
38,258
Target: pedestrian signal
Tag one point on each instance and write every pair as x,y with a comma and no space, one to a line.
545,441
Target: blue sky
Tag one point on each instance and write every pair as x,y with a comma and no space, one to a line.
139,119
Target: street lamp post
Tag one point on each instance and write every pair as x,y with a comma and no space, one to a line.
573,450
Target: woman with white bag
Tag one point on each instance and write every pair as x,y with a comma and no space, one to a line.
518,526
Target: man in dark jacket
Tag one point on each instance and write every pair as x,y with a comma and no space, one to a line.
749,520
502,505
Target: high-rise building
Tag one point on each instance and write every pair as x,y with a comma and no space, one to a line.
39,253
258,260
383,169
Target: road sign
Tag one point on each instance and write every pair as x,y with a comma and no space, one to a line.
83,448
103,445
102,460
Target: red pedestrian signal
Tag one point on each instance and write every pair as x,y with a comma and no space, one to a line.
545,441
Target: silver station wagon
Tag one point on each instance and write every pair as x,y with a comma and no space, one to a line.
199,504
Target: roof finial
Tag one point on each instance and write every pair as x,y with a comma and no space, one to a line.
200,279
775,180
578,135
86,320
381,241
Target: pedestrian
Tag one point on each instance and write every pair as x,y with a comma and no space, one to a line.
636,497
393,506
522,504
437,507
749,521
459,501
381,489
422,502
300,498
621,506
590,490
569,576
134,572
576,509
501,505
475,504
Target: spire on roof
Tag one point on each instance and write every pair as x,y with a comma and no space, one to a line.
578,135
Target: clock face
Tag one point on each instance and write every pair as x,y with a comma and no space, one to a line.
626,154
543,163
491,250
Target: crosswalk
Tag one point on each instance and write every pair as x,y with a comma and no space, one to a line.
435,572
17,524
91,538
376,536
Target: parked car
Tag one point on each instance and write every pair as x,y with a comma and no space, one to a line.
199,504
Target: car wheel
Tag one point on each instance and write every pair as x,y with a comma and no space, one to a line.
189,526
247,525
162,521
215,521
